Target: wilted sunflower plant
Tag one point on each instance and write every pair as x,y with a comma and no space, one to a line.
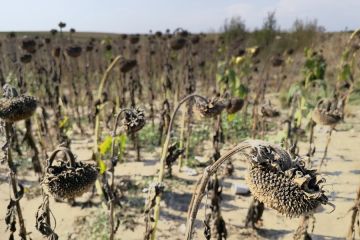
14,108
154,195
274,177
133,120
215,227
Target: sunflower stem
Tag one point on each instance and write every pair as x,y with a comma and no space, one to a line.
112,170
326,148
200,188
101,87
163,158
13,180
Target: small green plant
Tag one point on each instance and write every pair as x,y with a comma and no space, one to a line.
236,127
231,74
97,226
198,136
303,95
149,137
105,146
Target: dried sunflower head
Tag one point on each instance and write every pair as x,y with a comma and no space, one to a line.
126,65
62,24
327,112
28,44
74,51
158,34
69,179
133,121
26,58
267,110
277,61
13,107
283,183
134,39
210,108
195,39
177,43
234,105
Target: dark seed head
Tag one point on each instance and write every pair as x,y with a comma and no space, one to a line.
62,25
108,47
28,44
195,39
53,32
290,51
26,58
69,182
134,39
126,65
74,51
277,61
234,105
283,183
17,108
241,52
267,110
177,43
133,121
211,108
327,112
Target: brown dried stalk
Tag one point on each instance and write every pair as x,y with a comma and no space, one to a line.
301,232
101,87
254,214
355,216
200,188
13,181
327,113
112,170
132,122
163,159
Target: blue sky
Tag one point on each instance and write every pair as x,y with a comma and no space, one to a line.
138,16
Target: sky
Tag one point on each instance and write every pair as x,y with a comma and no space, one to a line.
139,16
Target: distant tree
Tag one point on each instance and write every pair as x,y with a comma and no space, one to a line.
233,30
269,29
304,33
264,37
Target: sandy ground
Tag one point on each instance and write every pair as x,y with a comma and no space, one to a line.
342,173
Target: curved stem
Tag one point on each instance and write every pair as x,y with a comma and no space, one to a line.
203,182
112,170
172,119
106,75
101,86
69,156
97,117
163,158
